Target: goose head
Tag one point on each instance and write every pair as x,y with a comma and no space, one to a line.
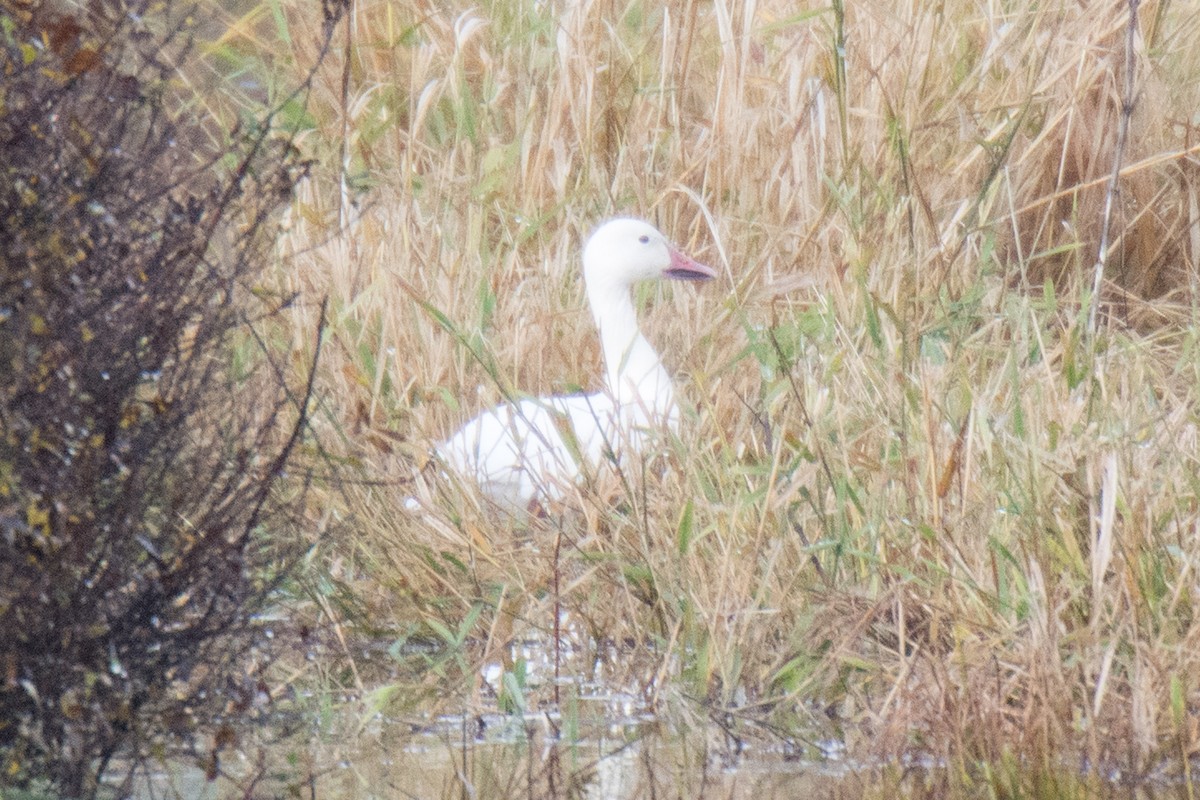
624,251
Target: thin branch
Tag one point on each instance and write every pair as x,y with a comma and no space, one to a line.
1110,194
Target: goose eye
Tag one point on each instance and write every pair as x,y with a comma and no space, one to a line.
644,239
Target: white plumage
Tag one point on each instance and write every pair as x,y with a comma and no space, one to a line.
536,448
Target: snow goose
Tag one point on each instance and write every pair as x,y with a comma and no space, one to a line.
536,448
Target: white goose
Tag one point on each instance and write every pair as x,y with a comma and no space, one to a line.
536,448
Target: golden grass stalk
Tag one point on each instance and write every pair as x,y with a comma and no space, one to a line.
907,493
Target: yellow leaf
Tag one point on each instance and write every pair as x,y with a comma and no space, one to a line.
130,416
38,518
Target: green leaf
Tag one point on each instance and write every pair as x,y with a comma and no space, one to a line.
1178,702
684,531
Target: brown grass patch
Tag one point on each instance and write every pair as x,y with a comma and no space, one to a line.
893,384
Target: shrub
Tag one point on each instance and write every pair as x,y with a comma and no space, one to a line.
142,522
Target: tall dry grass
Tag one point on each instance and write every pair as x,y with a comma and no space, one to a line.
912,501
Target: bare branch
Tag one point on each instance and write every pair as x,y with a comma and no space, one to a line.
1110,195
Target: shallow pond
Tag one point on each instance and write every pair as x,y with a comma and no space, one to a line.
601,743
534,757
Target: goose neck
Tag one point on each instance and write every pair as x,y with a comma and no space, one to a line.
633,371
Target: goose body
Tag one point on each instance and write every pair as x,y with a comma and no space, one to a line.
537,448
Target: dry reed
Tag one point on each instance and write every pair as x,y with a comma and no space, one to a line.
908,497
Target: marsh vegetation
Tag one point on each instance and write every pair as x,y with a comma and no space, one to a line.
934,494
917,499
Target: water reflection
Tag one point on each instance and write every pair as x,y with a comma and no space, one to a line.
596,738
496,758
